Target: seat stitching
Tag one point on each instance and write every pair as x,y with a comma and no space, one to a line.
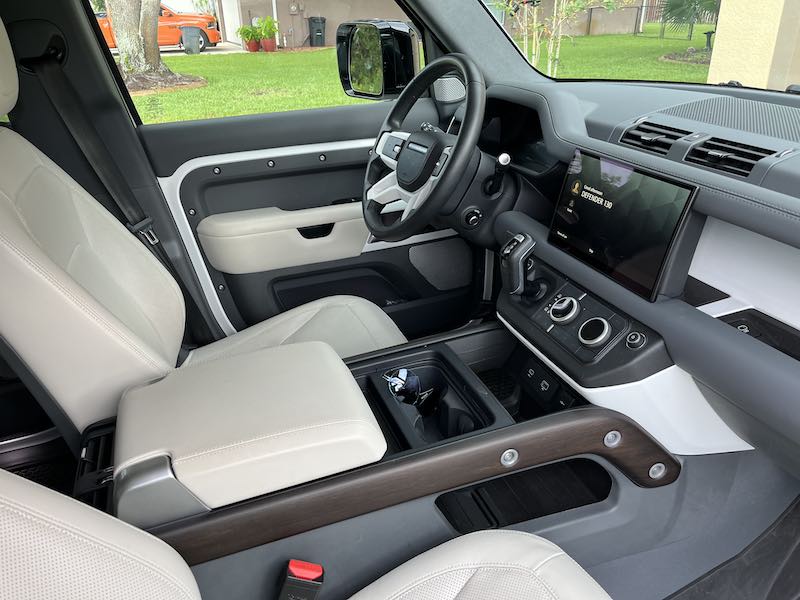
314,313
470,578
252,333
234,445
89,539
460,567
548,559
88,311
364,325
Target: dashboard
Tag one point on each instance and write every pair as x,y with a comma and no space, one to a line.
662,237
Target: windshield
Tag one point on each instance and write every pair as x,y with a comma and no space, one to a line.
687,41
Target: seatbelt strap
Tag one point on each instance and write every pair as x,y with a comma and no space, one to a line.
70,108
68,105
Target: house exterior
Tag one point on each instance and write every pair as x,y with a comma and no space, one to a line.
292,15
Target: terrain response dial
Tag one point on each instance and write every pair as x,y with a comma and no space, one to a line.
564,310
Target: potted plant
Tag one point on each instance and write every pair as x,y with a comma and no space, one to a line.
250,35
267,28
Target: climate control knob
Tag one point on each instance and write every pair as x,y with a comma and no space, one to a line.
564,310
594,332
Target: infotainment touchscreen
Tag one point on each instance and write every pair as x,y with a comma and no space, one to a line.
619,220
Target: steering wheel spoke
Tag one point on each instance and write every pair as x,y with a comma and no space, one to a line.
417,172
389,145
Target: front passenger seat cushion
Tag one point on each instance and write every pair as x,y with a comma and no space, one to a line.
349,324
488,565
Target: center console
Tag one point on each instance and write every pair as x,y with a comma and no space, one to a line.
622,223
595,343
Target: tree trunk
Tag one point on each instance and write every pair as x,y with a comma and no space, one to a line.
148,25
125,17
536,37
525,33
559,35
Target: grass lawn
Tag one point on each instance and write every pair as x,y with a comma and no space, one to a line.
248,83
631,56
243,83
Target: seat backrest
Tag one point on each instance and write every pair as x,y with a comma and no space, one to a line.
55,547
83,303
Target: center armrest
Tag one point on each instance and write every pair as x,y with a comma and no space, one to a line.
240,427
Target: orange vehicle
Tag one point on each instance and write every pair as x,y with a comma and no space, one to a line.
169,28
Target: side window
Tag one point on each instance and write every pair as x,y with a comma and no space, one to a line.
203,59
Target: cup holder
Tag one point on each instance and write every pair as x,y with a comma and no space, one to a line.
431,401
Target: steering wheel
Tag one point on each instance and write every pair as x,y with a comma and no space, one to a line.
421,168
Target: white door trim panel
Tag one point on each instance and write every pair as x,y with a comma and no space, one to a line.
265,239
668,405
171,186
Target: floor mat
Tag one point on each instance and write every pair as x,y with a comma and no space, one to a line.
768,569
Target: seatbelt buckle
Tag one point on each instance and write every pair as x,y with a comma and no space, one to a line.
303,581
144,228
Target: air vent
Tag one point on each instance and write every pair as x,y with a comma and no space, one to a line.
653,137
727,156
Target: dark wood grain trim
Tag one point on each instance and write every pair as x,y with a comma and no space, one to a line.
282,514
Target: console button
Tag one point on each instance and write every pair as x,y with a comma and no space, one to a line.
594,332
635,340
473,217
540,381
564,310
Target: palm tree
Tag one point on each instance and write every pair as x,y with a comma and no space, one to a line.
677,13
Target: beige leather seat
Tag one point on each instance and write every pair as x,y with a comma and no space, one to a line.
87,307
55,547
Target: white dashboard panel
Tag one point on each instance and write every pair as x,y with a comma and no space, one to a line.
756,271
668,405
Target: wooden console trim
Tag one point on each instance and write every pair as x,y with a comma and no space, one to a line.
279,515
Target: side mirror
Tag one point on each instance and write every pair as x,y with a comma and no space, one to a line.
377,59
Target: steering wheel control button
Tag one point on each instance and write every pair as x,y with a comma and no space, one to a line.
473,218
392,147
594,332
437,168
564,310
635,340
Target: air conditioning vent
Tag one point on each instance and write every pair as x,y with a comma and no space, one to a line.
727,156
653,137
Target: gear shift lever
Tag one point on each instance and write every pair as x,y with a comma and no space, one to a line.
500,167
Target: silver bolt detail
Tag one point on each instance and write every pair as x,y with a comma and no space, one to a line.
323,158
509,458
217,170
612,439
221,287
192,212
657,471
271,164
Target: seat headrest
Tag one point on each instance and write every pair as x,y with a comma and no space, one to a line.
9,81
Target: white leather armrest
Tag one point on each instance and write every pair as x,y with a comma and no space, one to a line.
243,426
262,239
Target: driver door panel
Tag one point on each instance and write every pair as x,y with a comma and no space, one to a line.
274,221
